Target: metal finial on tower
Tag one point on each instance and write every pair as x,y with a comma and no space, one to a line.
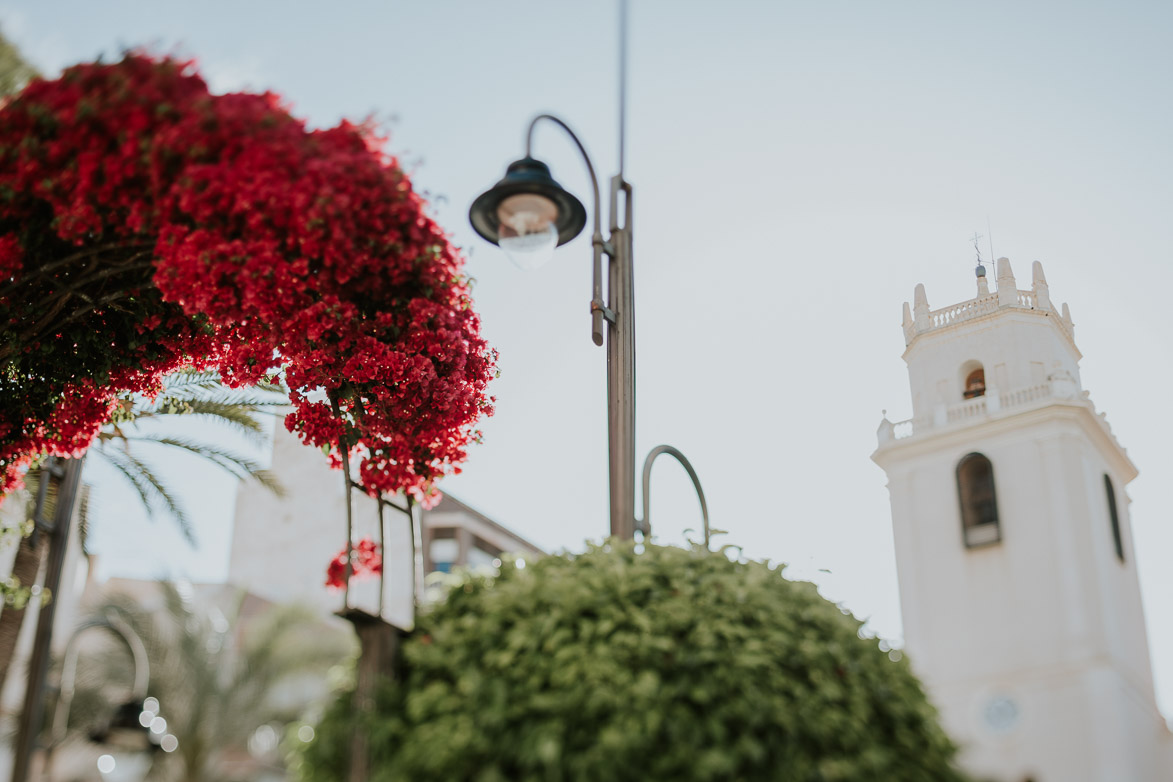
980,271
983,286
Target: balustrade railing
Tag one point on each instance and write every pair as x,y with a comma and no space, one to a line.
975,308
1024,395
972,409
964,311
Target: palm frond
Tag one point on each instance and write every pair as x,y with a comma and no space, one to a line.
83,517
239,397
15,72
238,466
237,418
193,385
191,379
150,489
203,394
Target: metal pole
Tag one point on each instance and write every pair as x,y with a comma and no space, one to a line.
34,697
619,313
621,368
621,334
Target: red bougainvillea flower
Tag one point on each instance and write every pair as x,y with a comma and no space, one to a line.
146,225
366,560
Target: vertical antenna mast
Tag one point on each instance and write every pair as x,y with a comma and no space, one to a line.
990,237
622,81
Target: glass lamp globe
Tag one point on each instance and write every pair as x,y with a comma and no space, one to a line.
527,214
528,229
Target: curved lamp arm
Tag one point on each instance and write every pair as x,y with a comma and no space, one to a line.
598,309
644,525
138,651
529,143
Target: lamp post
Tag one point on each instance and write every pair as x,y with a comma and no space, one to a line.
133,731
528,214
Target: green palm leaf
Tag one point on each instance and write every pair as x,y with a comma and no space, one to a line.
151,491
190,393
241,419
238,466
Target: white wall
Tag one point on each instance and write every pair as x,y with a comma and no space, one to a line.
1034,648
281,546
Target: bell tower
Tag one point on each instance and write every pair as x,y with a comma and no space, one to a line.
1018,587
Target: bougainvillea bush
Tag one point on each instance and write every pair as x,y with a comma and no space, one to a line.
670,664
148,225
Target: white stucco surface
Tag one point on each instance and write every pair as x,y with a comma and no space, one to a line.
1034,647
282,545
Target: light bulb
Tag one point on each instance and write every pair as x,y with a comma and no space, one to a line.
528,234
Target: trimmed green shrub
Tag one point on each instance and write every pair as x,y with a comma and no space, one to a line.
668,664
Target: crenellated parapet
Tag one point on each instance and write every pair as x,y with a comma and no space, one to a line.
920,319
1003,354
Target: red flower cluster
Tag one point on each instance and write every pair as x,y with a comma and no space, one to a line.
365,560
146,224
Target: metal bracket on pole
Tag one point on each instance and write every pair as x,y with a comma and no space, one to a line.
606,312
644,525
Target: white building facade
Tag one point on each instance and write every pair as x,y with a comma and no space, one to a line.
1018,584
282,545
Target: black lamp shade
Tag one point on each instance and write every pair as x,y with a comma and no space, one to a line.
527,176
122,729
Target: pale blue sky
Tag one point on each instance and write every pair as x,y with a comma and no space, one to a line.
798,168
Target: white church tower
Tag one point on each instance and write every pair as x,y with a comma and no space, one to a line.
1018,586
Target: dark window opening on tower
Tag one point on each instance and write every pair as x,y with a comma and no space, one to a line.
979,502
1114,517
975,384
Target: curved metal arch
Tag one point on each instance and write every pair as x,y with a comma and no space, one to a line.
644,525
138,652
529,145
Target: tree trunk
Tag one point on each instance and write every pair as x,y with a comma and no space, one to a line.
53,513
26,567
379,657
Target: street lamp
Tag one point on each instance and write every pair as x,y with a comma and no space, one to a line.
131,734
528,214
